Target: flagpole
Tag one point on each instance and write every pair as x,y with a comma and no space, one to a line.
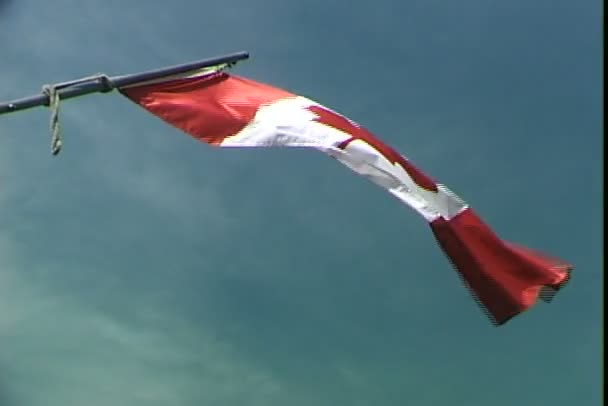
102,83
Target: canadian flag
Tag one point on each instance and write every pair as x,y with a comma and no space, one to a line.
230,111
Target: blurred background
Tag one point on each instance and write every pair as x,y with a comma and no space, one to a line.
140,267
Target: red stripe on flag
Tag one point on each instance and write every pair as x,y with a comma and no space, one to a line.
504,278
209,108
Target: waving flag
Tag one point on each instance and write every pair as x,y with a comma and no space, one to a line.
229,111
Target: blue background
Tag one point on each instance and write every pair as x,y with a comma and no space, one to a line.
140,267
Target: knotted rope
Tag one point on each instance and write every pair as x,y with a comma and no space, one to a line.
53,94
52,91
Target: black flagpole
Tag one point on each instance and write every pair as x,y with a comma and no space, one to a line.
102,83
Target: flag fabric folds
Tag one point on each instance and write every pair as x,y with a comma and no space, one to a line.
230,111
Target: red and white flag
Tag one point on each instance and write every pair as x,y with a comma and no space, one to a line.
229,111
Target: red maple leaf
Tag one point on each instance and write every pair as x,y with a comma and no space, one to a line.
356,132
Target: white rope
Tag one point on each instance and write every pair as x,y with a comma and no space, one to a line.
53,94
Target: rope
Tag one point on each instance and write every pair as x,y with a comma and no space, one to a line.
53,94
